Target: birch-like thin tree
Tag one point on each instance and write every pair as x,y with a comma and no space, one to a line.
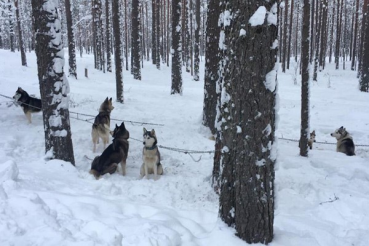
54,85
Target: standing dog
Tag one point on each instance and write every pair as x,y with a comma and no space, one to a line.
29,104
151,155
101,126
312,139
345,144
115,153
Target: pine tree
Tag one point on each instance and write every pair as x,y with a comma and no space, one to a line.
176,48
71,43
136,40
212,59
54,85
108,35
305,78
248,119
364,76
117,51
20,34
197,42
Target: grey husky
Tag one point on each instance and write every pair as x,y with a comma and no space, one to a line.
345,144
151,156
115,153
29,104
101,126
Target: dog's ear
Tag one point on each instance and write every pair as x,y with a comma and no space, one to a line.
110,99
313,132
116,126
106,99
122,125
153,132
144,130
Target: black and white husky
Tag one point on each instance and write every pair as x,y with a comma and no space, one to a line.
29,104
150,155
345,144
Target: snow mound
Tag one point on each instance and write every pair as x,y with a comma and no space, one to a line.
8,171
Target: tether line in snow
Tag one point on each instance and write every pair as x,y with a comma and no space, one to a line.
82,114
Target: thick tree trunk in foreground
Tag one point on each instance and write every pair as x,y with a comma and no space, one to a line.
248,120
54,86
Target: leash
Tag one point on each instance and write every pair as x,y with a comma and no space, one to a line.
294,140
71,112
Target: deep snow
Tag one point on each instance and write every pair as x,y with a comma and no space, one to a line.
320,200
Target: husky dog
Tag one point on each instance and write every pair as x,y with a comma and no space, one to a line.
115,153
312,139
345,144
151,155
101,126
28,103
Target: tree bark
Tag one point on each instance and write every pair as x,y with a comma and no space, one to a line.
176,48
285,29
108,36
197,42
353,60
20,35
248,121
54,85
71,43
364,78
136,40
212,59
305,79
118,59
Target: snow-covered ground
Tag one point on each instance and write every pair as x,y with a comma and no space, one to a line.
320,200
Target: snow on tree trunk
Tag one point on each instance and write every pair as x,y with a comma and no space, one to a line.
176,48
11,26
157,32
54,85
305,78
136,40
248,108
117,50
71,44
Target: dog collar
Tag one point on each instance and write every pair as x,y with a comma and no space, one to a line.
151,148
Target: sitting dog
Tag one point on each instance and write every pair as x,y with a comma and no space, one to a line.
311,139
345,144
151,155
101,126
29,104
115,153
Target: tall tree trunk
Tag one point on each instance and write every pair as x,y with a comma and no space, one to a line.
71,43
285,29
96,22
197,41
157,32
338,36
324,37
312,30
153,32
317,39
188,37
212,60
126,32
248,122
364,76
331,33
54,85
117,50
290,36
20,35
11,26
297,40
305,78
176,48
353,60
108,36
136,40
